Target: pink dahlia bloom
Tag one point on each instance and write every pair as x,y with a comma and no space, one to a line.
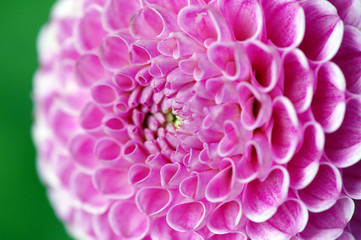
198,119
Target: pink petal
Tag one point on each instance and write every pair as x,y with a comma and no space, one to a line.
285,22
343,147
352,180
89,31
114,16
256,106
225,217
324,190
330,223
298,80
265,62
134,151
245,13
81,149
349,11
113,183
88,70
115,126
153,201
284,138
224,185
114,51
328,104
127,221
194,186
197,22
261,199
141,175
291,218
230,59
142,51
356,220
172,174
108,150
88,198
104,93
324,30
304,164
186,216
229,236
256,161
348,58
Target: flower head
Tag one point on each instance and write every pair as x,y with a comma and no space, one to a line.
198,119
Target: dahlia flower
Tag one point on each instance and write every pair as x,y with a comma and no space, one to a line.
199,119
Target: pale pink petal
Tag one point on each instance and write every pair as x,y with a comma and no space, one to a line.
113,183
225,217
114,16
186,216
141,175
127,221
88,70
262,199
153,201
87,196
82,152
172,174
194,186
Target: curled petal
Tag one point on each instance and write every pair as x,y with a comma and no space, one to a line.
108,150
161,66
233,141
186,216
262,199
330,223
245,13
88,70
256,106
63,123
91,117
114,51
225,218
224,185
298,80
343,147
304,165
134,151
194,186
256,161
230,59
81,149
328,105
198,23
127,221
89,199
115,126
291,218
142,51
151,22
265,63
172,174
152,201
285,22
113,183
324,190
104,93
284,138
114,17
324,30
89,31
125,78
141,175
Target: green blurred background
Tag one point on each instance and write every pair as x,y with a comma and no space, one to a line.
25,211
